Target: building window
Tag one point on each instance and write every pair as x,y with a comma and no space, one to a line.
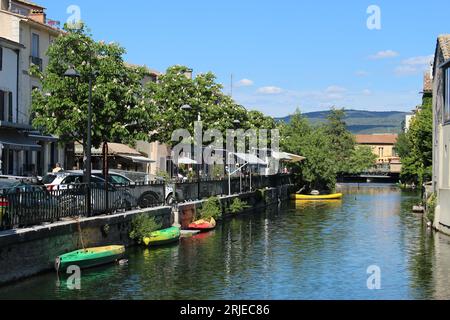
6,106
447,96
15,8
381,152
35,45
34,58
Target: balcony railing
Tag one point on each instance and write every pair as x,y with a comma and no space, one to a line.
36,61
53,23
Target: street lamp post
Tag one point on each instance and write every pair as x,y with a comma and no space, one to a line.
188,108
72,73
236,124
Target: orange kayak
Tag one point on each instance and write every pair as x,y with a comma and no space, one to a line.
203,225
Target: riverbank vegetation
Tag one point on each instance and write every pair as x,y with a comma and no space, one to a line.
330,150
237,206
415,147
211,209
431,207
142,226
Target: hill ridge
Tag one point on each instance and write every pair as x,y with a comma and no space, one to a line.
362,121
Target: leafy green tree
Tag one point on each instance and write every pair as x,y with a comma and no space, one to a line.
361,159
403,145
415,147
329,149
257,120
318,171
119,110
342,140
205,97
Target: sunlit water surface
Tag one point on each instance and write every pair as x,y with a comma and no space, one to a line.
303,250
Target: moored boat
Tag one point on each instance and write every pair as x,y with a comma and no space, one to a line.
333,196
203,225
163,237
90,257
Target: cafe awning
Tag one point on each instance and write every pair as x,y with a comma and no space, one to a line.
249,158
295,158
18,141
282,156
184,160
136,159
42,137
114,149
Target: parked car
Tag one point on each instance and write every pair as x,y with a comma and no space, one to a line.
146,199
130,193
63,179
69,186
170,195
24,201
113,177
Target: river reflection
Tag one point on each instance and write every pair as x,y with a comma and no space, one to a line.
302,250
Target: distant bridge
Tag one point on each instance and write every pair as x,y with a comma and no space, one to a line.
379,173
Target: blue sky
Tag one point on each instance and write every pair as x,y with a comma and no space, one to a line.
283,54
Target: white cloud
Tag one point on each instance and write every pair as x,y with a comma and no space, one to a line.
414,65
405,70
361,73
419,61
384,55
245,83
270,90
335,89
315,100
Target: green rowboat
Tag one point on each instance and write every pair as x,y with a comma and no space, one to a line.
163,237
91,257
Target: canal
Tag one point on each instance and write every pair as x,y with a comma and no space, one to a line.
308,250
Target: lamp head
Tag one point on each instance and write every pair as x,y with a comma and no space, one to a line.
72,73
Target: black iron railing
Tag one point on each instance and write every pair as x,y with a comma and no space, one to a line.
36,61
22,209
188,191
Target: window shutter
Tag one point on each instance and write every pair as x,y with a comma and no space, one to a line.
2,105
1,58
10,107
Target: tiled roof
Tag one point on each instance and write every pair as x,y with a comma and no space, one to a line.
151,71
444,44
118,148
29,3
376,138
113,149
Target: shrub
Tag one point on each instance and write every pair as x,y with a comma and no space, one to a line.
238,206
142,226
211,209
431,207
164,175
218,171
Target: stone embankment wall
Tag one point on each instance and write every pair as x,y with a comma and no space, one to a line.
27,252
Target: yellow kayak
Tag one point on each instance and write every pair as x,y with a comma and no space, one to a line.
318,197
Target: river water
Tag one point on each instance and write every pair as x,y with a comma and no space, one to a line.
304,250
